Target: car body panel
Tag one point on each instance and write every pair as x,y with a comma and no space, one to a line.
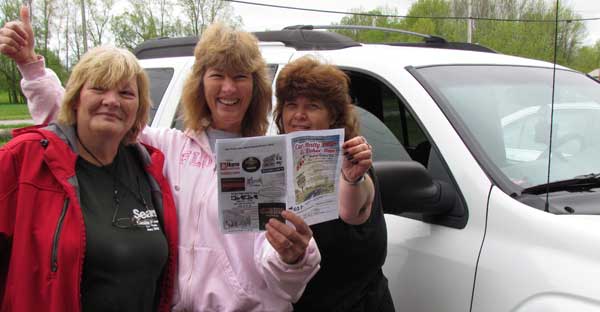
536,260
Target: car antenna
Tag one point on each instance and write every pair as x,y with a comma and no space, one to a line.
547,205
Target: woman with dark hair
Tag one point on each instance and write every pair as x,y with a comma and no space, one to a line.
226,95
87,220
312,96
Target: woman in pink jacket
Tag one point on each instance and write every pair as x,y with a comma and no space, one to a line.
227,95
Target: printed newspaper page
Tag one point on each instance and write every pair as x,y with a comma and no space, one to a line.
259,177
251,176
314,164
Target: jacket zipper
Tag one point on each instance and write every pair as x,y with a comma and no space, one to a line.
54,260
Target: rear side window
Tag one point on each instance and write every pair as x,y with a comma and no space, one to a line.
395,134
159,81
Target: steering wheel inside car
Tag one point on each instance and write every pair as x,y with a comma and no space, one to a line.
561,142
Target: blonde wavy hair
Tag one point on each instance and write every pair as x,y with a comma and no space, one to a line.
316,80
107,66
229,50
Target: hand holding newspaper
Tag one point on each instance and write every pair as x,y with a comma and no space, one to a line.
259,177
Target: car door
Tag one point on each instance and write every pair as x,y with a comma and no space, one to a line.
431,262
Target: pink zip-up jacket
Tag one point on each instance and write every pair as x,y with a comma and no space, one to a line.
217,272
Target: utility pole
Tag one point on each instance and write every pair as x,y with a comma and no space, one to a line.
470,22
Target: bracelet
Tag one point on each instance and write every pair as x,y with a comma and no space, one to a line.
357,181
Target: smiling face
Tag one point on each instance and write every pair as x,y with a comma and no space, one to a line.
302,113
107,112
228,96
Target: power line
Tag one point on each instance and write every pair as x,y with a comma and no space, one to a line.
417,17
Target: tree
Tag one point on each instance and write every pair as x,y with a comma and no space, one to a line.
9,76
201,13
99,19
47,9
523,38
84,26
587,58
141,23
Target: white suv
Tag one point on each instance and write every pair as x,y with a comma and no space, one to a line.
461,139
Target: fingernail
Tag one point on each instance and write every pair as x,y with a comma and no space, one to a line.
346,153
349,157
354,162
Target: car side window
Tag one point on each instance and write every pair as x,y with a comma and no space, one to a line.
398,136
401,128
159,81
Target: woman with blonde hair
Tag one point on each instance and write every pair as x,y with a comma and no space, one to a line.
313,95
226,95
87,220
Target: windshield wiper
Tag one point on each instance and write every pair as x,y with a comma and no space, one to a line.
579,183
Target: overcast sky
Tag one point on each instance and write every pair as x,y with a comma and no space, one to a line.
258,18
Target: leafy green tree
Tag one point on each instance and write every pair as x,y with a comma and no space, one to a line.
587,58
201,13
99,16
145,19
522,38
9,75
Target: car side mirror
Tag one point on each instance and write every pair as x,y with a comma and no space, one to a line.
406,186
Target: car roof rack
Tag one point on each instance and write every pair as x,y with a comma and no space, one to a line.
299,37
426,38
165,47
429,41
306,39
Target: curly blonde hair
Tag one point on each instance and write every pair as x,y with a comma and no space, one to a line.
229,50
310,78
107,66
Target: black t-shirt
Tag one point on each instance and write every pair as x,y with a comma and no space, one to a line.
122,266
350,278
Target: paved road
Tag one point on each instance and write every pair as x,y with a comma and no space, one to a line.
16,122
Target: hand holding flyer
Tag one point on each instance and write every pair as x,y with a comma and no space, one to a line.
259,177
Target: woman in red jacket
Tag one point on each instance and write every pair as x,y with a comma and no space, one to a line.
87,220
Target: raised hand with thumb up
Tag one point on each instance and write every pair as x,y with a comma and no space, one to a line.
16,39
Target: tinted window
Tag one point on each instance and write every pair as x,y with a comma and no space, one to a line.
159,81
395,134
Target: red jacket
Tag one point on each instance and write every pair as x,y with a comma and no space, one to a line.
42,233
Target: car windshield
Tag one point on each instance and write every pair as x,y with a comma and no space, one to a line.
504,114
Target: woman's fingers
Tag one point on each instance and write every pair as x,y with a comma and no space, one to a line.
301,227
358,158
16,39
12,36
355,146
289,242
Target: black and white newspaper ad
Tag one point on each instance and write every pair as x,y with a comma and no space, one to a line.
259,177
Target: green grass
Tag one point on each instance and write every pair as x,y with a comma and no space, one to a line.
3,141
21,125
3,97
14,112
